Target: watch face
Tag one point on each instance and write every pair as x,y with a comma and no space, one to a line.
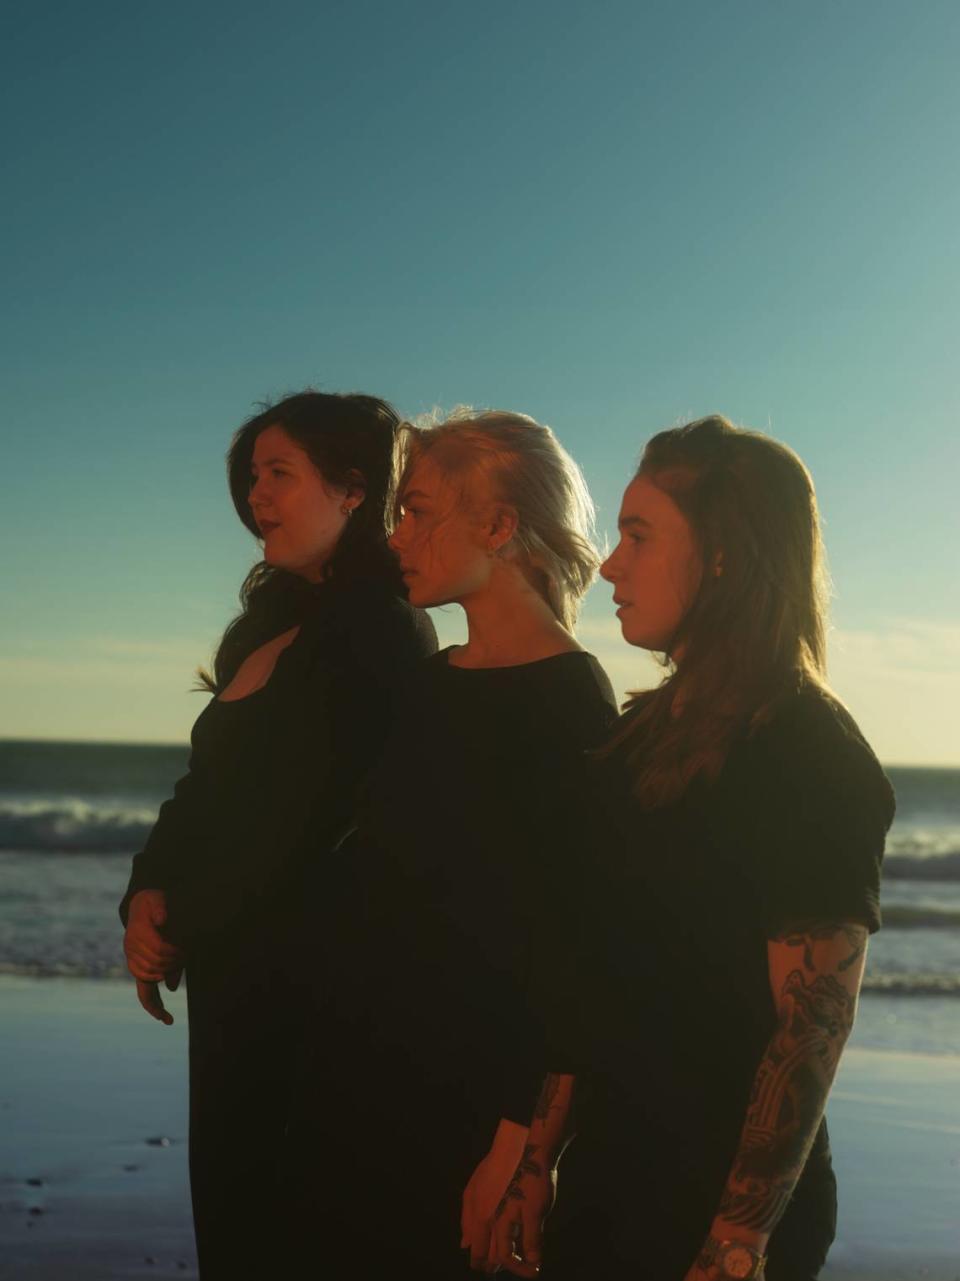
737,1261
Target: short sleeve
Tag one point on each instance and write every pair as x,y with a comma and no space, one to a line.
821,807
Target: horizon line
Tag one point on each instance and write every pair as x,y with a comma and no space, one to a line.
185,743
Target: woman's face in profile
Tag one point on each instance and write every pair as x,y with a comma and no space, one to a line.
299,516
441,540
655,568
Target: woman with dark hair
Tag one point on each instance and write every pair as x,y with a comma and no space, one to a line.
721,927
304,686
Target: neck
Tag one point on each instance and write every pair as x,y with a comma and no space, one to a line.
509,623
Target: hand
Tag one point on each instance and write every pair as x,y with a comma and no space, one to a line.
485,1191
149,956
148,994
519,1220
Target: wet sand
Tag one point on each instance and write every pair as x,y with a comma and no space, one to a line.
93,1158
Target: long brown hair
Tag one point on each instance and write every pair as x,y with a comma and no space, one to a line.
756,630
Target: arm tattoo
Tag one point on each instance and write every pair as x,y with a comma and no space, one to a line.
856,936
789,1093
526,1165
548,1094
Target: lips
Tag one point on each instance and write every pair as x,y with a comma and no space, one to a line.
268,526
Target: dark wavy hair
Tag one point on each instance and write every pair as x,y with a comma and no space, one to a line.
351,440
756,630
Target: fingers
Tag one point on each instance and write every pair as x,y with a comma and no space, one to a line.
151,971
519,1238
172,979
151,946
148,995
492,1264
149,955
479,1244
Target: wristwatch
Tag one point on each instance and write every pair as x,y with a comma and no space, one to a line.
735,1259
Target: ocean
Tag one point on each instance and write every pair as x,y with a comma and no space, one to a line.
71,814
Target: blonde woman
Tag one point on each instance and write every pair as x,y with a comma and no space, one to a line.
460,841
728,906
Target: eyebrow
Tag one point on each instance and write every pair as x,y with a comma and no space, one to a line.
268,462
633,522
412,493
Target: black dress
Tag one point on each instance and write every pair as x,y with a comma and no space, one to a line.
674,1008
445,933
271,791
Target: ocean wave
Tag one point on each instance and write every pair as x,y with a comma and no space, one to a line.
69,825
904,917
63,970
930,867
73,826
916,840
912,984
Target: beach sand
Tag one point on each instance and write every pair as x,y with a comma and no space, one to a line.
89,1086
87,1080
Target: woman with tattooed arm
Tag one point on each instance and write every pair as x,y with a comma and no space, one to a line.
717,939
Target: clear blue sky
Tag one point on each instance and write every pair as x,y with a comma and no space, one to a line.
612,216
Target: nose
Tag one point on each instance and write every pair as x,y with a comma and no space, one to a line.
608,568
255,493
396,539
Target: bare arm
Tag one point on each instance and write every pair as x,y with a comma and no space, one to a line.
815,975
519,1218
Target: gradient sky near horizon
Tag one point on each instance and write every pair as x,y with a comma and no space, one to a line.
614,216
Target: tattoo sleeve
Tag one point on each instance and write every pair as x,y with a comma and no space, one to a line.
816,998
548,1096
552,1122
528,1164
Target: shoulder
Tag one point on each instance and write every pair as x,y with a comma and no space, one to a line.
372,616
577,693
812,749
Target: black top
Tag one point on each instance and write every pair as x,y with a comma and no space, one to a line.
273,777
462,837
675,1007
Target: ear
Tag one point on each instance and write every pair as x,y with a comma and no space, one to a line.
356,491
502,528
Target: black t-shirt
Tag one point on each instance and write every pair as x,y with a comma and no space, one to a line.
670,1005
447,905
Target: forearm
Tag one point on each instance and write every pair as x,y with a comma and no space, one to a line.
816,1003
789,1095
551,1127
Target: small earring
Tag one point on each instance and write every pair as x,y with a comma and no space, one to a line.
347,511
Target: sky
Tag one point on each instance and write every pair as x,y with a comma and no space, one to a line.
615,217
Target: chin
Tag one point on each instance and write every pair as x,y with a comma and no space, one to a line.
424,596
634,636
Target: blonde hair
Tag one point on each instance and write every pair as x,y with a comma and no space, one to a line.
529,470
756,631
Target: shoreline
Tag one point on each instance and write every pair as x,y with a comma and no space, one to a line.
90,1087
